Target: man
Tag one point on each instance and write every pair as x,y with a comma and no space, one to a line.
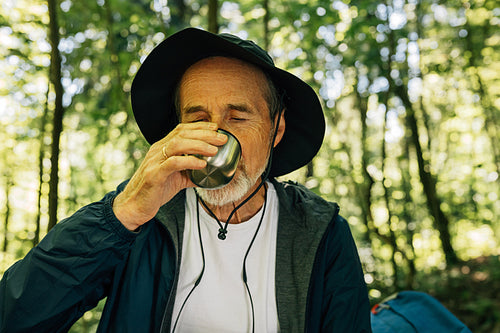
255,255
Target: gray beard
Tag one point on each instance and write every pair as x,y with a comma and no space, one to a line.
234,191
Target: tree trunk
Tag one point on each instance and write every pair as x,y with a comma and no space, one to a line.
178,13
309,170
8,185
213,8
366,187
441,222
120,94
41,155
387,194
387,198
420,33
55,79
265,4
407,214
489,110
115,59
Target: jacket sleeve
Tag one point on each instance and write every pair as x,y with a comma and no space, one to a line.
67,273
342,294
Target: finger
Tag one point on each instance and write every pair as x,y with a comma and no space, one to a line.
164,152
199,125
182,163
209,136
199,142
190,147
200,130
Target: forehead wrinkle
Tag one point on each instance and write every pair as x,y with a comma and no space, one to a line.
242,107
202,71
193,109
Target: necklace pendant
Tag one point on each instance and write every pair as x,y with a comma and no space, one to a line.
222,234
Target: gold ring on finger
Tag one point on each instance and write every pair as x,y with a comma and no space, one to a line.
164,152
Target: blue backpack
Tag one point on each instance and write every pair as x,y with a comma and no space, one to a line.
413,311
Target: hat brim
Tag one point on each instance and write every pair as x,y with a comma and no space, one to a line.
153,89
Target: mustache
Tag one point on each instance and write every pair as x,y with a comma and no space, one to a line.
239,186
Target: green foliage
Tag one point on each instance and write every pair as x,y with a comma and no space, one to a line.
372,63
471,291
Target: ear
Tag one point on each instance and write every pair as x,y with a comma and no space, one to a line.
281,127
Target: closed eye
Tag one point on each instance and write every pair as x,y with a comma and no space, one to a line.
194,114
239,112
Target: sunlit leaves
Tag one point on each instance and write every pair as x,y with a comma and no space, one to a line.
445,55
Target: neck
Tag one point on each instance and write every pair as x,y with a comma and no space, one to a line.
245,212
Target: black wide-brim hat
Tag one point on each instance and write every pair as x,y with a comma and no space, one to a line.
154,87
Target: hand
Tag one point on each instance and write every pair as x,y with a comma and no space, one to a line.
162,173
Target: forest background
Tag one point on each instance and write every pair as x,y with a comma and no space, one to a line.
410,90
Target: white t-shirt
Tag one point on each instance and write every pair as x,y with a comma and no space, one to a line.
220,303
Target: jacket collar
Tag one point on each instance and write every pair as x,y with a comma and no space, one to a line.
303,220
171,215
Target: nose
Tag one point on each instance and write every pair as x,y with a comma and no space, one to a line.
219,120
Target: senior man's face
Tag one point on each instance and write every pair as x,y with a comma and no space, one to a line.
232,94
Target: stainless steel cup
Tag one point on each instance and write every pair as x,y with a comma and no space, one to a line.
220,168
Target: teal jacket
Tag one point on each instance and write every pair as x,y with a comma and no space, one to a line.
90,255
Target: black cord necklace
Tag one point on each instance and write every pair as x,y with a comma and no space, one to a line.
223,228
198,280
244,269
